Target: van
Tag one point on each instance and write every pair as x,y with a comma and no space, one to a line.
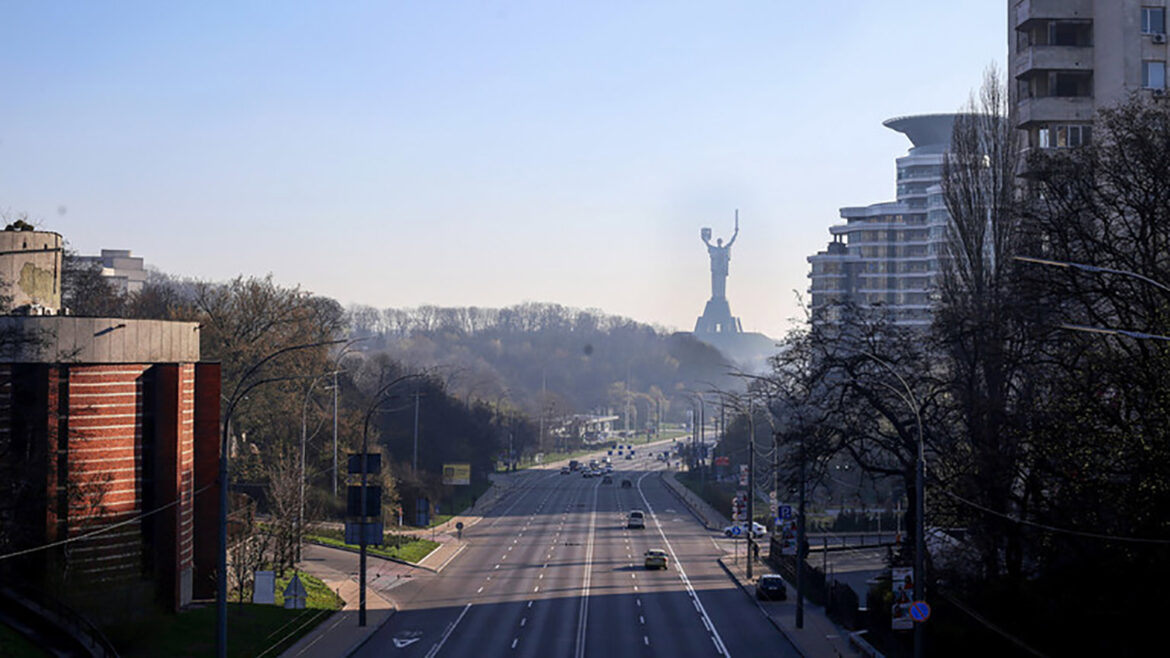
637,519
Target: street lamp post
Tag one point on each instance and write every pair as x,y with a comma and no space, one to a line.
919,503
378,397
243,387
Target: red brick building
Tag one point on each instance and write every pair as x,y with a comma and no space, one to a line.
109,425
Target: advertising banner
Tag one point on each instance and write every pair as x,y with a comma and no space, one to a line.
903,583
786,531
457,474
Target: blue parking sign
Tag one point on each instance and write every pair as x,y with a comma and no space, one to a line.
785,511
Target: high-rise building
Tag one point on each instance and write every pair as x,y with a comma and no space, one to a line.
887,254
1070,58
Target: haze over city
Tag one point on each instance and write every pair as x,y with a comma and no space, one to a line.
476,153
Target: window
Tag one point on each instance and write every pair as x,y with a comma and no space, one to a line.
1153,20
1043,138
1154,75
1073,136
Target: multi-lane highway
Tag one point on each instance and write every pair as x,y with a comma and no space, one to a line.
553,571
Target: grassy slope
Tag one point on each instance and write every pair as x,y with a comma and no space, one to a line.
253,630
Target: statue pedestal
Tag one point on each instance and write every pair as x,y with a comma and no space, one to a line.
717,318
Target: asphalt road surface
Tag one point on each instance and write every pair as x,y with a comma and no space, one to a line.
553,571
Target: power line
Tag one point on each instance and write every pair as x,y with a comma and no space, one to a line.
1065,531
101,530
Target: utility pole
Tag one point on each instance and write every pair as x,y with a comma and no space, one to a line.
800,544
414,465
751,485
335,433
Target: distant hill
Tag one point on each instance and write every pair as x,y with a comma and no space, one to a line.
582,360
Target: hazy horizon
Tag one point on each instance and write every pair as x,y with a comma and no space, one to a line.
477,154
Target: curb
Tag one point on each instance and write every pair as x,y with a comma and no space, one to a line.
674,485
357,551
776,624
439,569
362,642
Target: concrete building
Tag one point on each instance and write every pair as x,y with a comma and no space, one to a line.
109,447
126,272
1070,58
30,269
887,254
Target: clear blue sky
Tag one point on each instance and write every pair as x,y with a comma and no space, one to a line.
479,152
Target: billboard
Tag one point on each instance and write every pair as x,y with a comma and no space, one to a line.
903,583
457,474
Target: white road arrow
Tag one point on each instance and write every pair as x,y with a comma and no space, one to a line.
404,642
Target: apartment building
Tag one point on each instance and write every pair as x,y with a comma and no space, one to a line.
886,254
1070,58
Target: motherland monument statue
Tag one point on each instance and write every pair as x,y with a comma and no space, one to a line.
717,316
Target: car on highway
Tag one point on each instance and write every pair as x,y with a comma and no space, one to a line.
770,587
656,559
607,480
737,530
586,473
637,519
626,484
629,456
565,470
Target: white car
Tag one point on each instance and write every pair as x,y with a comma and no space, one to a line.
737,530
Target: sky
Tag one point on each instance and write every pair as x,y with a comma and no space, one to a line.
476,153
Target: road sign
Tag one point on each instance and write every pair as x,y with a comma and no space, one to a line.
373,463
743,475
735,531
920,611
353,501
785,512
295,594
373,529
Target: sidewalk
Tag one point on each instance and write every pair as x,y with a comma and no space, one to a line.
340,635
820,637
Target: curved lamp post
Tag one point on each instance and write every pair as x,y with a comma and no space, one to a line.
919,504
243,387
373,408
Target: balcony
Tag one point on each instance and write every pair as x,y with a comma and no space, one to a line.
1033,9
1055,109
1058,58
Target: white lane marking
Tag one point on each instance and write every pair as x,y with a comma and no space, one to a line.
443,640
523,620
583,615
639,602
530,604
536,589
540,577
682,574
514,641
641,619
496,567
646,639
479,590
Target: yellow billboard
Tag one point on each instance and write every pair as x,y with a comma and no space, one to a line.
457,474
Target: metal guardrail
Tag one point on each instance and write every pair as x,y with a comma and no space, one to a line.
71,622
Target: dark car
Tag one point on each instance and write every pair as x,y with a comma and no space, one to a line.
626,484
770,587
607,480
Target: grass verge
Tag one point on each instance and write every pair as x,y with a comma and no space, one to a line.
398,547
253,630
